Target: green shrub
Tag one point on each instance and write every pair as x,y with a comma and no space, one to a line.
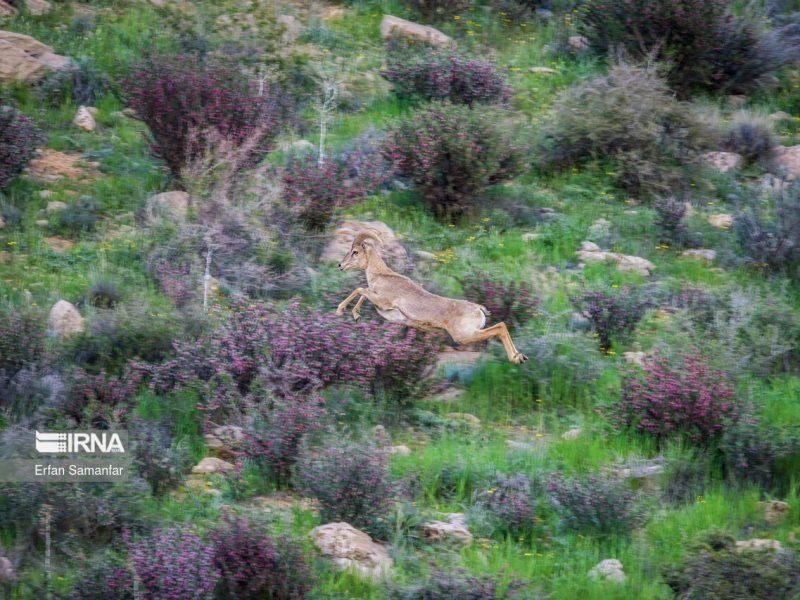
453,153
715,570
439,10
751,136
19,138
630,116
753,452
772,243
704,45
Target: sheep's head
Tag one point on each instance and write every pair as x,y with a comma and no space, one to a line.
364,244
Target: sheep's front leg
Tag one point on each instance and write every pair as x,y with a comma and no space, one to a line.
357,308
343,305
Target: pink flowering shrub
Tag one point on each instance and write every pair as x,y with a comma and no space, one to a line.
681,398
452,153
293,353
100,400
598,505
255,566
612,315
508,301
510,504
174,565
19,138
189,105
350,481
275,433
418,71
315,192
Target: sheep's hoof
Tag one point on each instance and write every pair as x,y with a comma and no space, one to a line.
340,310
518,358
356,315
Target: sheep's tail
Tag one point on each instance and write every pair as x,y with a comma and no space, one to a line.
486,312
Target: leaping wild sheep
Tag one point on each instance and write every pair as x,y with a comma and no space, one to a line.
399,300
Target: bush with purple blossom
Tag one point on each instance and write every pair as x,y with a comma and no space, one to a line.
350,481
509,301
19,138
453,153
509,504
677,398
174,564
189,104
420,72
315,191
600,505
612,315
253,565
293,353
276,430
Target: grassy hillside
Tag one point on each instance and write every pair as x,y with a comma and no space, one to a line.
684,425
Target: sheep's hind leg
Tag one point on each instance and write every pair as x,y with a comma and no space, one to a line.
357,308
499,331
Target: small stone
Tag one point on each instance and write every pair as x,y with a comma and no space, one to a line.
520,446
723,161
571,434
721,221
453,530
55,206
700,254
600,229
635,358
609,569
212,464
530,236
775,511
57,244
779,116
172,205
399,450
2,223
380,435
42,222
543,70
350,548
424,255
333,13
578,42
45,194
467,418
758,544
84,119
64,319
587,246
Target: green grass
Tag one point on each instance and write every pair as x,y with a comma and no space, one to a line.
449,465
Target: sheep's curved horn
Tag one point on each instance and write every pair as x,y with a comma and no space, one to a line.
368,234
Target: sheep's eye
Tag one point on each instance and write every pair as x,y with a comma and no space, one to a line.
355,253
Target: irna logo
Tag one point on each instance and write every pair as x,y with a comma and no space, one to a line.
73,443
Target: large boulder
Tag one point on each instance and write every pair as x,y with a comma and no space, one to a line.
393,251
173,205
395,26
454,529
350,548
64,319
23,58
758,545
786,162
